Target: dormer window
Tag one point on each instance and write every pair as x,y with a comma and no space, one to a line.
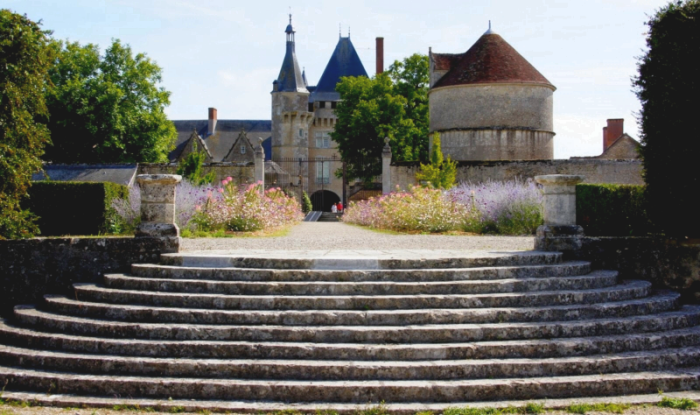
242,149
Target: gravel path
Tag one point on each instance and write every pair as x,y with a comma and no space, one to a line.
338,236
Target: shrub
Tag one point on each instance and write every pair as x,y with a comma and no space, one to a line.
509,208
306,205
74,208
419,209
231,209
191,166
612,210
668,88
440,173
675,403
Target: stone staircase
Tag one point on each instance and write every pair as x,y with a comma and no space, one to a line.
259,333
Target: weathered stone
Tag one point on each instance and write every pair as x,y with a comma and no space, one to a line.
157,205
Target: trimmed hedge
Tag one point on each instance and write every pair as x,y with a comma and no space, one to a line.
74,208
612,210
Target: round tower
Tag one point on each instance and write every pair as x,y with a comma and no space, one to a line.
489,103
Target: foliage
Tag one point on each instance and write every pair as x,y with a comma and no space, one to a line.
668,88
392,104
59,214
507,208
420,209
191,167
25,59
612,210
248,210
107,109
582,408
440,173
675,403
306,205
529,408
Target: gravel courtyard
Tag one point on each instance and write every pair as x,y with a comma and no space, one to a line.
339,236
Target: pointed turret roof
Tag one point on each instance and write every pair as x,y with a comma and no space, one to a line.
290,78
343,62
490,60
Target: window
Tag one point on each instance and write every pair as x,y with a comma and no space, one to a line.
311,107
323,170
334,104
323,140
301,132
242,149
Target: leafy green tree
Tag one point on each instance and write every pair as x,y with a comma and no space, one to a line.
25,58
668,87
191,167
440,173
392,104
306,205
107,109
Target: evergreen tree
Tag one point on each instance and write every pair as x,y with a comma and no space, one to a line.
668,87
440,173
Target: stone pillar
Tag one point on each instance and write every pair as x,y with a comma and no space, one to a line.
386,167
158,205
260,165
560,231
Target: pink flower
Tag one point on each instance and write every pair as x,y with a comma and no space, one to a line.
229,179
221,190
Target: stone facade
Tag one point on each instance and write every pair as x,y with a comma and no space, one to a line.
489,103
595,171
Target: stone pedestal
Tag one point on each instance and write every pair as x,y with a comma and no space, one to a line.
386,167
560,231
260,165
158,205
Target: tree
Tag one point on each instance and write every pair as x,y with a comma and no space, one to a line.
392,104
440,173
191,167
25,58
107,109
668,87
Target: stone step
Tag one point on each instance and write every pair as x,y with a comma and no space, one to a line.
596,279
660,302
268,369
564,269
531,348
362,260
624,291
687,316
360,391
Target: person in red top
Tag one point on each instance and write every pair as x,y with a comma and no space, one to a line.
340,207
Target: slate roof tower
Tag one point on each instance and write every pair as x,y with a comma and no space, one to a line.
490,103
343,62
290,101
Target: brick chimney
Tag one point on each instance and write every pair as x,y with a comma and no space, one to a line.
613,131
212,121
380,55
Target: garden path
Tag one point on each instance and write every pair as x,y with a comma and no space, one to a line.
340,236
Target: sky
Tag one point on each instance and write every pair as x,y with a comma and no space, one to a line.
226,53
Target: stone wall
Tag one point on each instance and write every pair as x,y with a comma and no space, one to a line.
32,268
667,264
241,173
596,171
497,144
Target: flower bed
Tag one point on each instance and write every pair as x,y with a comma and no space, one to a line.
219,209
507,208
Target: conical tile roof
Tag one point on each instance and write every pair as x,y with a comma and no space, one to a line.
490,60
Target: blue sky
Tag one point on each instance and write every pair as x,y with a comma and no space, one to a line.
225,54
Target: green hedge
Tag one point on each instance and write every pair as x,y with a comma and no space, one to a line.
74,208
612,210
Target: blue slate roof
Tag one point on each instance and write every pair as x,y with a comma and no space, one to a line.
343,62
115,173
225,135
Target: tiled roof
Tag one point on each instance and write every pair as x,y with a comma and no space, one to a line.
224,137
443,61
490,60
343,62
